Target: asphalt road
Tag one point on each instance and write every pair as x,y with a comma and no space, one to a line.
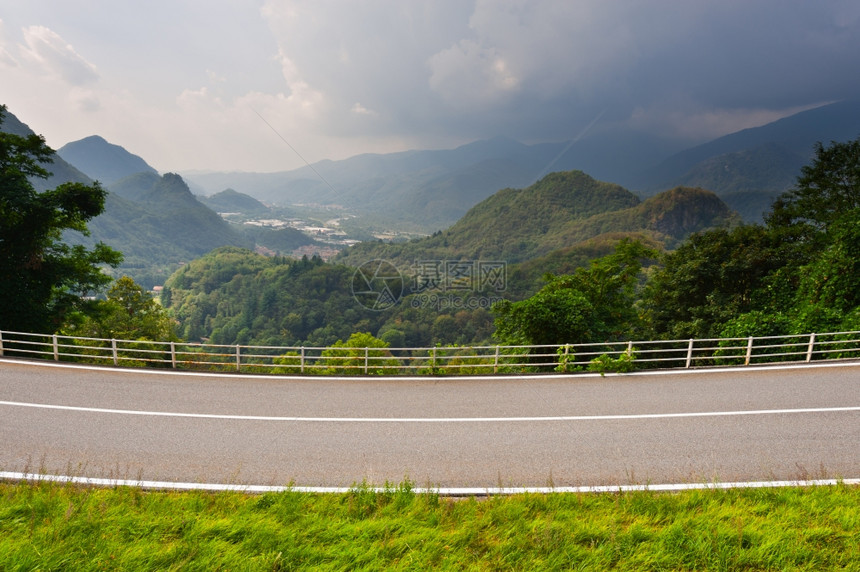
726,425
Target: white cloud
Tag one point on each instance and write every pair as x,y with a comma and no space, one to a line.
469,75
85,100
359,109
215,77
303,99
47,49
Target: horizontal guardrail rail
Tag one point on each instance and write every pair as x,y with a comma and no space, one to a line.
439,360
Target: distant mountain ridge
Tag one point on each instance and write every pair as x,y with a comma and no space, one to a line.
749,168
103,161
430,190
154,221
229,200
558,212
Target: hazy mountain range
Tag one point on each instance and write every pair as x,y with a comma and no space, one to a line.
432,189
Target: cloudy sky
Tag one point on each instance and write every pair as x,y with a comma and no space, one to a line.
255,85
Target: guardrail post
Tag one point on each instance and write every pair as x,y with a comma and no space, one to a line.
808,350
366,359
1,344
173,354
749,351
302,361
238,357
630,348
689,354
496,361
114,352
56,348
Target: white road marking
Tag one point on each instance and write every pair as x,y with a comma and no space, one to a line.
508,377
430,419
442,491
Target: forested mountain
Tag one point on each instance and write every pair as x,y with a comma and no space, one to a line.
230,201
557,212
795,135
103,161
749,168
155,221
158,224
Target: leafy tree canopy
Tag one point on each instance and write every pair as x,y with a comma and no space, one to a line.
43,280
826,190
796,274
129,313
592,304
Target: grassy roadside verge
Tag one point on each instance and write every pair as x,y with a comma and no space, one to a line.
58,527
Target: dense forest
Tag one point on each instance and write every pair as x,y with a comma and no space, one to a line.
233,295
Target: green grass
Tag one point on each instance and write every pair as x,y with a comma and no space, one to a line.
60,527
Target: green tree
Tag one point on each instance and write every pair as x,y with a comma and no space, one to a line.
353,358
592,304
129,313
796,274
713,277
826,189
43,280
828,296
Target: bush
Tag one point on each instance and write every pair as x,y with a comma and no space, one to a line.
353,357
624,363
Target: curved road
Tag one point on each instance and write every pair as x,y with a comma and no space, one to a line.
752,424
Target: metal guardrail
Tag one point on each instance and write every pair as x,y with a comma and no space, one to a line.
440,360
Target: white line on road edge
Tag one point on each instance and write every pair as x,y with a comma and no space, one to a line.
355,378
442,491
429,419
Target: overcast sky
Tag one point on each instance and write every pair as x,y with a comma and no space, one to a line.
234,84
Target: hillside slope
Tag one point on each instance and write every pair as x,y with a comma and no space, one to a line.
158,224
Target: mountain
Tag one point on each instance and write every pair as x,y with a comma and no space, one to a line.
103,161
750,167
559,211
158,224
230,201
430,190
749,180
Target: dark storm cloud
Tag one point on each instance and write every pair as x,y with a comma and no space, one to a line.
538,69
